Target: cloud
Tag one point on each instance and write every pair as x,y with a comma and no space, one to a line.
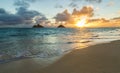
116,18
7,18
97,1
102,22
116,21
27,14
2,11
75,16
24,3
22,16
64,16
75,3
86,11
40,19
21,3
23,11
98,20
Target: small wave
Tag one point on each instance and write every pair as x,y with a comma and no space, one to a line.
95,36
85,41
18,35
46,53
70,42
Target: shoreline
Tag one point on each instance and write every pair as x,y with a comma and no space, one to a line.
99,58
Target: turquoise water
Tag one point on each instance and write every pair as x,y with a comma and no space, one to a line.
19,43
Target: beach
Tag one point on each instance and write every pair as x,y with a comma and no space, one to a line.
59,36
100,58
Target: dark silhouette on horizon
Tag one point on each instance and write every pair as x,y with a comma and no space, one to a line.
38,26
61,26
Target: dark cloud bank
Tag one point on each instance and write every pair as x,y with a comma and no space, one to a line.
22,16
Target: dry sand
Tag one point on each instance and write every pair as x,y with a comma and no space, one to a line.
101,58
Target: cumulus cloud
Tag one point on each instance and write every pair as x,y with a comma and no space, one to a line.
39,19
28,15
2,11
64,16
86,11
7,18
22,16
76,15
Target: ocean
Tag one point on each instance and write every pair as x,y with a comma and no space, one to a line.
21,43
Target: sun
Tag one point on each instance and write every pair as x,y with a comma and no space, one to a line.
81,22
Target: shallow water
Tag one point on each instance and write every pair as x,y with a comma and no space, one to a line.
19,43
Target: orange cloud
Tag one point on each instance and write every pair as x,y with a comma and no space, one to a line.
68,19
104,23
71,19
85,11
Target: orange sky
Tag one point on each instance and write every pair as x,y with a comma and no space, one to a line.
52,13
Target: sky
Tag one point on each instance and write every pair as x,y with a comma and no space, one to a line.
50,13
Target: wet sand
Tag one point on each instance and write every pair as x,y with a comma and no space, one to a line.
101,58
29,65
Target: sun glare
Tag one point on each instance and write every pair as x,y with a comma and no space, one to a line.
82,22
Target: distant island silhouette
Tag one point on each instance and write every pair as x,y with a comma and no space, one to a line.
38,26
61,26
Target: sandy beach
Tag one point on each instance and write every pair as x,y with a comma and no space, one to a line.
101,58
59,36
